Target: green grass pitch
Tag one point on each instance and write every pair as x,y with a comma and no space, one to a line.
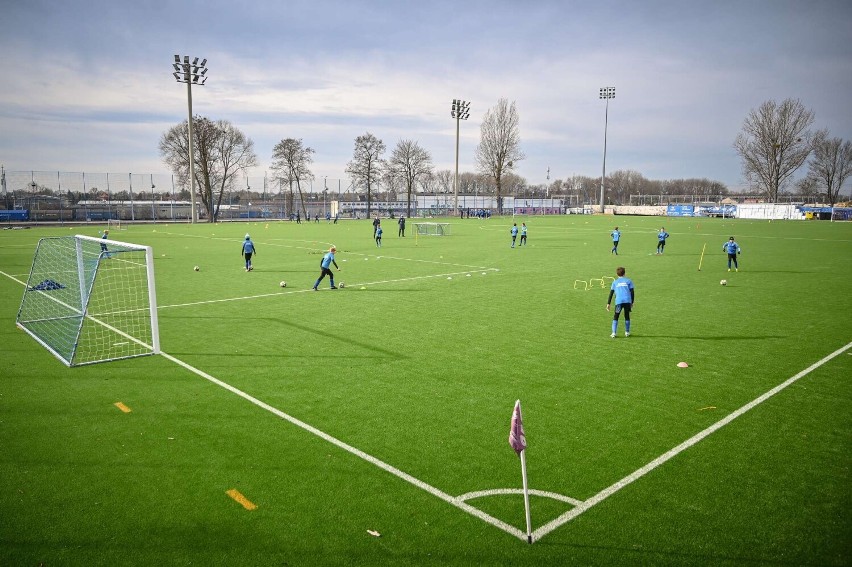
385,406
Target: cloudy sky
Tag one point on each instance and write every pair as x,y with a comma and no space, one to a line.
87,86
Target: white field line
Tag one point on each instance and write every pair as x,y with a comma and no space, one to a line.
457,502
414,278
639,473
272,242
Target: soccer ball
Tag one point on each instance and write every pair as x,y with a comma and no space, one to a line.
283,284
196,268
341,285
723,282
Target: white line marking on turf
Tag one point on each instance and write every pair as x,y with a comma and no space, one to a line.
271,294
502,491
639,473
457,502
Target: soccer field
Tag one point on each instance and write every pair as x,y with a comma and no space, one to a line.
369,425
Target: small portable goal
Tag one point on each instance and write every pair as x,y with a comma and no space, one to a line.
432,228
91,300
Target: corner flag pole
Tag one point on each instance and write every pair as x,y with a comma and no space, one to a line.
702,256
518,441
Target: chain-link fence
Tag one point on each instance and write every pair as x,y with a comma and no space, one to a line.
59,196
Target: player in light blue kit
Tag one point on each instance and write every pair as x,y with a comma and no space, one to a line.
616,236
523,234
379,232
247,251
514,233
622,289
325,264
661,240
732,248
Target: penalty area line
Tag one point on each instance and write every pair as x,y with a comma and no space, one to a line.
455,501
639,473
273,294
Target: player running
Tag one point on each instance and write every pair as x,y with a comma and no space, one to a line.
616,236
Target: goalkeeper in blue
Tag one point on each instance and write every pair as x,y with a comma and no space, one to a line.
325,265
625,295
733,249
661,240
247,251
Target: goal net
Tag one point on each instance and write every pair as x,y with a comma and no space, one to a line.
432,228
91,300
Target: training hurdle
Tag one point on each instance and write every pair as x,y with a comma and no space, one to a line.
594,282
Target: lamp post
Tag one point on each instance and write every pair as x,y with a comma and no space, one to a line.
460,111
190,73
606,93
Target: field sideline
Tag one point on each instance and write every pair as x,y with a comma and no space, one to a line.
413,370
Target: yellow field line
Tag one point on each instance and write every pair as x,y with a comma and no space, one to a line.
244,502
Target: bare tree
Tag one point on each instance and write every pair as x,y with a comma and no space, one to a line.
830,165
500,145
444,180
291,163
409,163
774,143
221,152
367,164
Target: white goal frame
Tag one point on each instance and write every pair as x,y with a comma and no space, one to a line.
432,228
91,300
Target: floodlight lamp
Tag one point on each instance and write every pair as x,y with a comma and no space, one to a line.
177,77
177,58
195,61
186,59
204,62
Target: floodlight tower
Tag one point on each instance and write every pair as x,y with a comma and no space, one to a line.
194,73
460,111
606,93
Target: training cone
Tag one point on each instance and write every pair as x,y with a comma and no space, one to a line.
682,365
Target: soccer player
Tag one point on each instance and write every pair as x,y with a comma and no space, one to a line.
622,289
247,250
732,248
104,249
401,222
514,233
376,222
616,236
325,264
379,236
661,240
523,234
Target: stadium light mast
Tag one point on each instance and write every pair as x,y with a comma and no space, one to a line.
606,93
460,111
194,73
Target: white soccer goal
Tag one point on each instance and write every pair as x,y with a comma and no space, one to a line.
432,228
115,224
91,300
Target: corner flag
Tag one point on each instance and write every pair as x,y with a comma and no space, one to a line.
518,442
517,439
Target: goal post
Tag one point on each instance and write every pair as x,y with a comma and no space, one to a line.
432,228
91,300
